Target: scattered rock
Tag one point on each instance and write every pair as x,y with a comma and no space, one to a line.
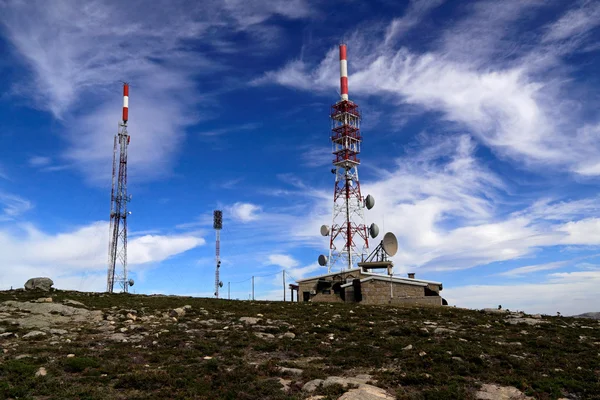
33,334
131,317
367,392
44,300
537,316
495,392
292,371
441,331
41,372
263,335
249,320
6,334
311,386
409,347
422,354
528,321
22,356
70,355
285,383
73,303
289,335
58,331
177,312
457,359
187,307
44,284
44,315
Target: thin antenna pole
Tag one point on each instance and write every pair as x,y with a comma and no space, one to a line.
253,288
283,274
228,290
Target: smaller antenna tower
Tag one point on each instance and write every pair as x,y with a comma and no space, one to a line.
218,225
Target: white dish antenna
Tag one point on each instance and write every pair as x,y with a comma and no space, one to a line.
370,202
324,230
322,260
373,230
390,244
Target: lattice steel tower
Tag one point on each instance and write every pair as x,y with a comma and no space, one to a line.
218,225
348,236
117,250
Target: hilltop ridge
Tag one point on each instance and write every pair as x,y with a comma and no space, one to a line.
68,345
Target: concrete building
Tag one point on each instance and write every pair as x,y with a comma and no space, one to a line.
360,286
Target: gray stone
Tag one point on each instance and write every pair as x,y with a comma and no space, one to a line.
22,356
33,334
44,315
409,347
311,386
495,392
58,332
441,331
44,284
263,335
528,321
249,320
367,392
177,312
292,371
285,383
73,303
289,335
44,300
41,372
6,334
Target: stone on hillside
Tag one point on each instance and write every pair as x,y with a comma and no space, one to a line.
33,334
6,335
495,392
367,392
441,331
44,300
187,307
528,321
537,316
263,335
41,372
292,371
73,303
177,312
311,386
58,332
44,315
285,383
249,320
70,355
131,316
409,347
289,335
44,284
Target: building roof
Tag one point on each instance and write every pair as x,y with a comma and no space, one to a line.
312,278
407,279
387,278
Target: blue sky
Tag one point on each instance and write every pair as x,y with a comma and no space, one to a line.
481,141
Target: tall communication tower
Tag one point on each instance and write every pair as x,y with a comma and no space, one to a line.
218,225
348,237
117,249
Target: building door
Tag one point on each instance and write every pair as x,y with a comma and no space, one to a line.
305,296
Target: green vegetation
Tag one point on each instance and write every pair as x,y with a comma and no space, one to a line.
194,357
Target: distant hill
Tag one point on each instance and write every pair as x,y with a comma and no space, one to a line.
592,315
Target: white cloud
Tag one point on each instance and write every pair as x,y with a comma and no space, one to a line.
283,260
245,212
567,293
78,53
66,257
575,22
519,108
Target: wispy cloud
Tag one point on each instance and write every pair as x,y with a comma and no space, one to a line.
78,53
39,161
415,12
13,206
480,77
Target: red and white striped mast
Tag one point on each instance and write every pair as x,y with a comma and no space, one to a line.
117,252
348,237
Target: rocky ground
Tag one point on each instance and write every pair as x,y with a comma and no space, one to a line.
71,345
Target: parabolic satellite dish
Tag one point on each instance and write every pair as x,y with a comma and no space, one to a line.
370,202
324,230
322,260
373,230
390,244
131,282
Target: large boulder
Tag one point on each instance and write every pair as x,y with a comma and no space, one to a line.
39,283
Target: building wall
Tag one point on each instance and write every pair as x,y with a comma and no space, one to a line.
378,292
